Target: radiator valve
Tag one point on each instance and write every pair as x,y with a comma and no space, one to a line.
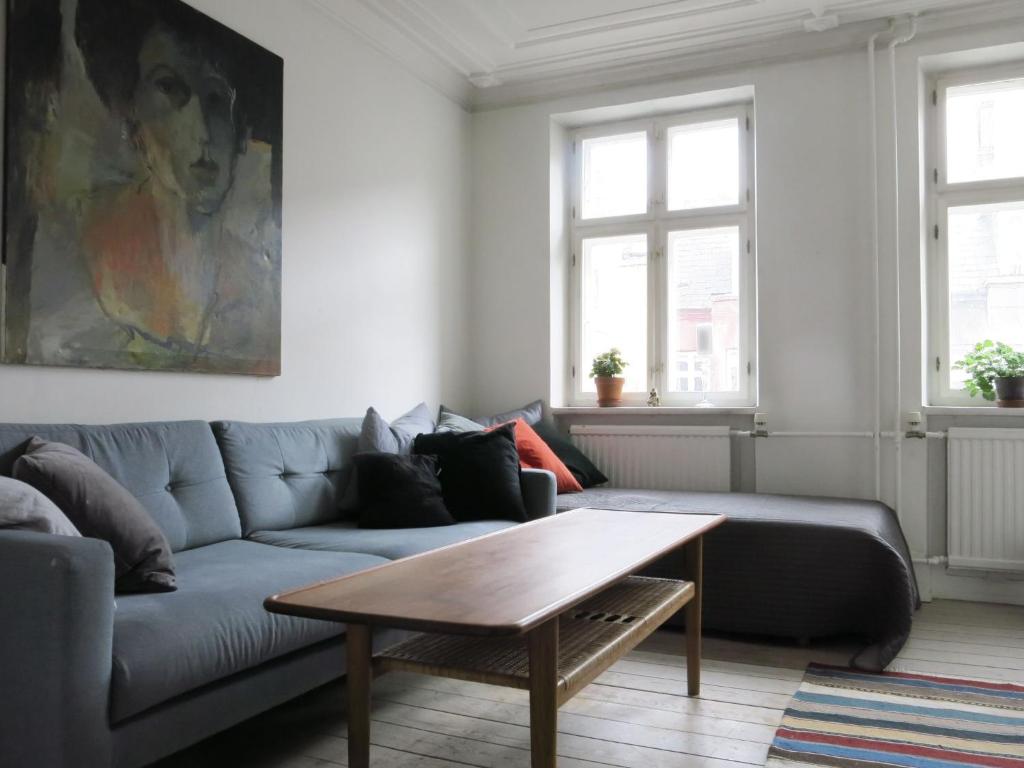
914,430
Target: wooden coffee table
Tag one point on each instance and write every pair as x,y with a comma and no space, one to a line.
546,606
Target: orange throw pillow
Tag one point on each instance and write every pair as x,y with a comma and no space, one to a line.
534,453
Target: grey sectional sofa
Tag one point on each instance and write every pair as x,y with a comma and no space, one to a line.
249,510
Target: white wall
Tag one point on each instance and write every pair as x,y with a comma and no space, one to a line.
816,301
813,234
375,249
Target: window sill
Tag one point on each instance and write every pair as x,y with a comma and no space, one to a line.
661,410
971,410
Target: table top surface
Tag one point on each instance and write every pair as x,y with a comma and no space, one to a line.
503,583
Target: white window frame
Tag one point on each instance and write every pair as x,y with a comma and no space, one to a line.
943,195
656,223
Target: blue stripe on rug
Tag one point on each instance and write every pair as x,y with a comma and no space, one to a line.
1001,738
891,758
912,683
884,706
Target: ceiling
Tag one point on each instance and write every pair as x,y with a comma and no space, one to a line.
489,51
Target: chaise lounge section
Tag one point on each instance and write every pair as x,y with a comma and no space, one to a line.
793,567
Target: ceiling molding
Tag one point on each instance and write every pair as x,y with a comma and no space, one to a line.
608,22
651,47
363,21
483,54
718,59
420,22
705,62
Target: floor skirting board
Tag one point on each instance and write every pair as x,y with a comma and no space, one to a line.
940,582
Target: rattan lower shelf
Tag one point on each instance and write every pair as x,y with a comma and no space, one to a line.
591,637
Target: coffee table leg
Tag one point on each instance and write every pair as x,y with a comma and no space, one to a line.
360,678
543,646
695,573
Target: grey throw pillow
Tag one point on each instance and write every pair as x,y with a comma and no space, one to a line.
24,508
377,436
101,508
531,413
450,421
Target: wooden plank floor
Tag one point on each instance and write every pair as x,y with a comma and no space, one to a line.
634,716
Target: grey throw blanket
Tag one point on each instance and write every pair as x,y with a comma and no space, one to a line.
791,566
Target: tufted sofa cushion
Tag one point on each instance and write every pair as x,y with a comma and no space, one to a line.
290,474
173,468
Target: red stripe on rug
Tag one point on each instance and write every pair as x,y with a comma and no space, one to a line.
930,678
971,758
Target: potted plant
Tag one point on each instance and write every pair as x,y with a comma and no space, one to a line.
996,371
605,373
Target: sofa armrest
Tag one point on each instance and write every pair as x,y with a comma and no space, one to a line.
539,489
56,645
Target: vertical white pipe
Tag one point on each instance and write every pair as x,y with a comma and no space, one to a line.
898,410
873,98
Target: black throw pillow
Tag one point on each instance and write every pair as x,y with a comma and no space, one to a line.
101,508
399,491
479,473
582,468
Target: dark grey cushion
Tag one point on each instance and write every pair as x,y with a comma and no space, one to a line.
289,474
24,508
531,413
377,436
101,508
215,624
173,468
392,544
479,473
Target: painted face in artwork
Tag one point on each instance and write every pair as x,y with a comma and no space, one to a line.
184,112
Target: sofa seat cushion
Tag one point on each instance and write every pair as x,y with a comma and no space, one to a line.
215,624
391,543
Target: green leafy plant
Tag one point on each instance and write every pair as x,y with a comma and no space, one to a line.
989,361
608,364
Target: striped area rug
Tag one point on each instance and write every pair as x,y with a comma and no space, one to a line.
849,719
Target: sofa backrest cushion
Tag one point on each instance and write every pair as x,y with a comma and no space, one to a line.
173,468
291,474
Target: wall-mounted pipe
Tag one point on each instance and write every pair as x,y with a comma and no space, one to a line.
887,435
898,409
747,433
876,264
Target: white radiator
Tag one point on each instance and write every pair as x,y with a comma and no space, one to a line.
986,499
660,458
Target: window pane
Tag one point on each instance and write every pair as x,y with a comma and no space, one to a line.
986,278
704,313
614,176
704,165
984,125
615,305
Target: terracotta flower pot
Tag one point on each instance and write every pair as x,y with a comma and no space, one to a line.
609,390
1009,392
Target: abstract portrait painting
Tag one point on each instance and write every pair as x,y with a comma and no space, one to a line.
143,189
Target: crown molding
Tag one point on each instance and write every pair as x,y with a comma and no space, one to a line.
598,53
609,22
364,20
717,58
